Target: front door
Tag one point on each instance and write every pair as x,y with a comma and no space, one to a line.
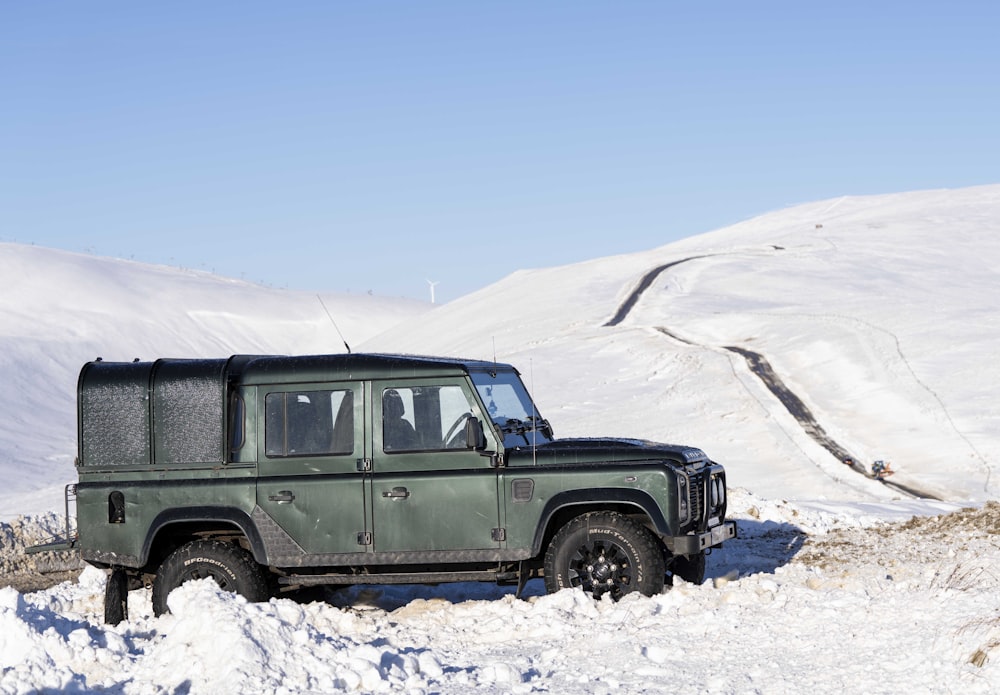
429,491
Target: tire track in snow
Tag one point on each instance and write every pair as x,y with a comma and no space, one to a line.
632,299
761,368
759,365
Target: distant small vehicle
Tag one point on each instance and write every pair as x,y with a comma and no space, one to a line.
882,469
275,472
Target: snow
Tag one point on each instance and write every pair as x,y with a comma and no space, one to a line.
876,312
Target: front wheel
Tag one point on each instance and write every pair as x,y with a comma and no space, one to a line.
605,553
230,566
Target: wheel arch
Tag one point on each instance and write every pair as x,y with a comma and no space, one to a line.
564,506
174,527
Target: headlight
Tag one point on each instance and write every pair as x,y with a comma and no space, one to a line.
718,488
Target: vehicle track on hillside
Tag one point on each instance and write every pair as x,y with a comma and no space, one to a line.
762,369
632,299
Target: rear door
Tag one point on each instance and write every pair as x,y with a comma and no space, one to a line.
311,459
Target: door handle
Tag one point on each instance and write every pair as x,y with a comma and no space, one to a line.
283,497
398,493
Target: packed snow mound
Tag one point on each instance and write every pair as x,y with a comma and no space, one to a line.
878,312
807,599
60,310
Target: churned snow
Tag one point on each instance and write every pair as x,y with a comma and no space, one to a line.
807,600
879,313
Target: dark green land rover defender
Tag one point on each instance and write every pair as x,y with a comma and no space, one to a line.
274,472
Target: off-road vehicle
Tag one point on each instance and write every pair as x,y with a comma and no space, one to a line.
274,472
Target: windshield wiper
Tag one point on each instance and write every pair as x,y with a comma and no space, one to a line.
536,422
533,423
513,426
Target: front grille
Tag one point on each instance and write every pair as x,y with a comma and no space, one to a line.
696,498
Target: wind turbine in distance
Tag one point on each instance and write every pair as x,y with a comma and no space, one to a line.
432,283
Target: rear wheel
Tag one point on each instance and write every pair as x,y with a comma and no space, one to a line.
231,567
604,553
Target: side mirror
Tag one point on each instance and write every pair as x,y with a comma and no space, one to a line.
475,437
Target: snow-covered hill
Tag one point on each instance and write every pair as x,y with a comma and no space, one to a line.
880,313
877,313
876,317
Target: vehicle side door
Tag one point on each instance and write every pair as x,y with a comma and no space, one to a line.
430,491
311,459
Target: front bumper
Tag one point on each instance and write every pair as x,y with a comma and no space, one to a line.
698,542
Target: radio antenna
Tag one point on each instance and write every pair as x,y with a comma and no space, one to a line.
534,413
330,316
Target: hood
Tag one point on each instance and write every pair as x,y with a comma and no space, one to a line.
603,450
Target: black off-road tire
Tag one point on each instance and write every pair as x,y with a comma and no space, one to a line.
605,553
232,568
690,569
116,597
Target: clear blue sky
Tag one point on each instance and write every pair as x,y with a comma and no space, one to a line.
372,146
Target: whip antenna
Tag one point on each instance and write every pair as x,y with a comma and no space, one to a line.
534,412
330,316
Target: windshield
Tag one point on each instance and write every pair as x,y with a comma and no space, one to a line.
511,409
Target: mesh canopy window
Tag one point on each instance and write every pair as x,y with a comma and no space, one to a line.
184,423
114,414
188,411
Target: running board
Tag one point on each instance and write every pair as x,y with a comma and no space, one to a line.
400,578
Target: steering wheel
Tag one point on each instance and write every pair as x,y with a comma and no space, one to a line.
456,441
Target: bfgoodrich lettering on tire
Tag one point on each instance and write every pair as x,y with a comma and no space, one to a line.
230,566
604,553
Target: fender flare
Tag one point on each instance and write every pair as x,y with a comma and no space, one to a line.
233,516
640,499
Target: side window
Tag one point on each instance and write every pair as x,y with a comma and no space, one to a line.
424,418
309,423
455,410
237,424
